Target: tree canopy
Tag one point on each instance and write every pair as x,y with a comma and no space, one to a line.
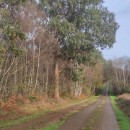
81,26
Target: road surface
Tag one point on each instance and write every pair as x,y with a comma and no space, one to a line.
106,121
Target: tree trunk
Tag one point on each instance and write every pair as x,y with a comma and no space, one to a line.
46,84
38,66
56,79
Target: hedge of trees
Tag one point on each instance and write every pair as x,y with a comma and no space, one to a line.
52,47
117,73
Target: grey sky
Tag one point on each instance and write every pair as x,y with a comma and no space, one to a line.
121,8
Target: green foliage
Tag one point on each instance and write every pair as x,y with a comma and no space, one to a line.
13,32
11,35
73,73
81,27
88,91
2,52
10,32
33,98
13,2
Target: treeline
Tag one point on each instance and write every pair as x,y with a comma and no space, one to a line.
51,47
117,75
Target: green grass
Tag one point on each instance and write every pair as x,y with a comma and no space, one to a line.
124,121
21,120
53,126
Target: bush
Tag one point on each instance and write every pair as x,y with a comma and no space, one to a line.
33,98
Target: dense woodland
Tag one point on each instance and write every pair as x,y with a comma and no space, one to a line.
117,75
52,48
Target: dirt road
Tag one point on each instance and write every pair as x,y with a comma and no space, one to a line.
106,121
78,121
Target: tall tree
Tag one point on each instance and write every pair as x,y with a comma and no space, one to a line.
81,26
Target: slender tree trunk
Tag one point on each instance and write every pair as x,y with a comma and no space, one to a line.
37,71
4,66
124,78
46,84
15,74
7,71
43,81
33,69
116,74
26,68
56,79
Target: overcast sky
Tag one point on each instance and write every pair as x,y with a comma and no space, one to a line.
121,9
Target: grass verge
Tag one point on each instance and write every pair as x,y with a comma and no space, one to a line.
21,120
8,123
124,121
53,126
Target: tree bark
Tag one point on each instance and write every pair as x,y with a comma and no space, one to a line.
46,83
56,79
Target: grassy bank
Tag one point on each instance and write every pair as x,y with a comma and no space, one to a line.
54,107
124,121
21,120
53,126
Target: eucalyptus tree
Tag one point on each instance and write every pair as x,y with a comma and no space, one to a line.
81,27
